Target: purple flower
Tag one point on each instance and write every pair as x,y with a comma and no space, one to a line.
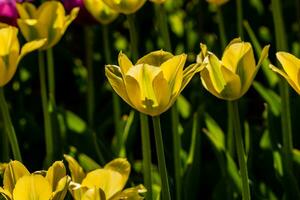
8,12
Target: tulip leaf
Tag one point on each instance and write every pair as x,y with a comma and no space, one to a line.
87,163
296,156
184,107
214,133
270,97
75,123
233,172
278,163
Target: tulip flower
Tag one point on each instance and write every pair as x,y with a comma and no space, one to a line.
100,11
8,12
48,21
108,182
19,184
11,54
152,85
291,69
230,77
125,6
217,2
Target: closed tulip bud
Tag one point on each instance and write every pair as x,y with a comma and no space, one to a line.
217,2
10,53
152,85
19,184
230,77
8,12
291,69
100,11
48,21
125,6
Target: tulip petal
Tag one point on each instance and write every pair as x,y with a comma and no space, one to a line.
5,194
173,72
56,172
155,58
61,189
294,85
124,63
32,187
26,10
31,46
135,97
108,180
189,72
13,172
115,79
232,89
120,165
125,6
28,28
132,193
290,64
94,194
77,173
69,19
207,84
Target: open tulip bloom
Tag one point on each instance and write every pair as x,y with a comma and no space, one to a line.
48,21
152,85
19,184
230,77
125,6
103,183
291,69
10,53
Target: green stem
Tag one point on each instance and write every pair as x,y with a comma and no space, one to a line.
240,150
240,18
51,76
161,158
4,142
9,128
47,119
221,28
116,99
133,37
146,148
88,33
163,26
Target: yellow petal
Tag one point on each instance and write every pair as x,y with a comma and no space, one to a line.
232,89
155,58
94,194
61,189
132,193
125,6
290,64
5,194
26,10
124,63
120,165
294,85
56,172
69,19
32,187
13,172
28,28
189,72
173,72
31,46
108,180
77,173
207,84
115,79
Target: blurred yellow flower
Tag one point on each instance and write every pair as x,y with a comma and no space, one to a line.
217,2
100,11
48,21
103,183
125,6
230,77
10,54
291,69
19,184
152,85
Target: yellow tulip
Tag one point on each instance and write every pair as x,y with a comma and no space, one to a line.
19,184
100,11
230,77
125,6
48,21
291,69
217,2
152,85
10,54
103,183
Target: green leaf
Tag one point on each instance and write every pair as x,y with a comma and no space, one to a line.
75,123
233,173
184,107
87,163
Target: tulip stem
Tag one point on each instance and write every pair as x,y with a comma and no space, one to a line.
4,143
163,27
239,6
161,158
240,150
47,119
221,27
88,33
133,37
9,128
51,76
146,148
116,99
